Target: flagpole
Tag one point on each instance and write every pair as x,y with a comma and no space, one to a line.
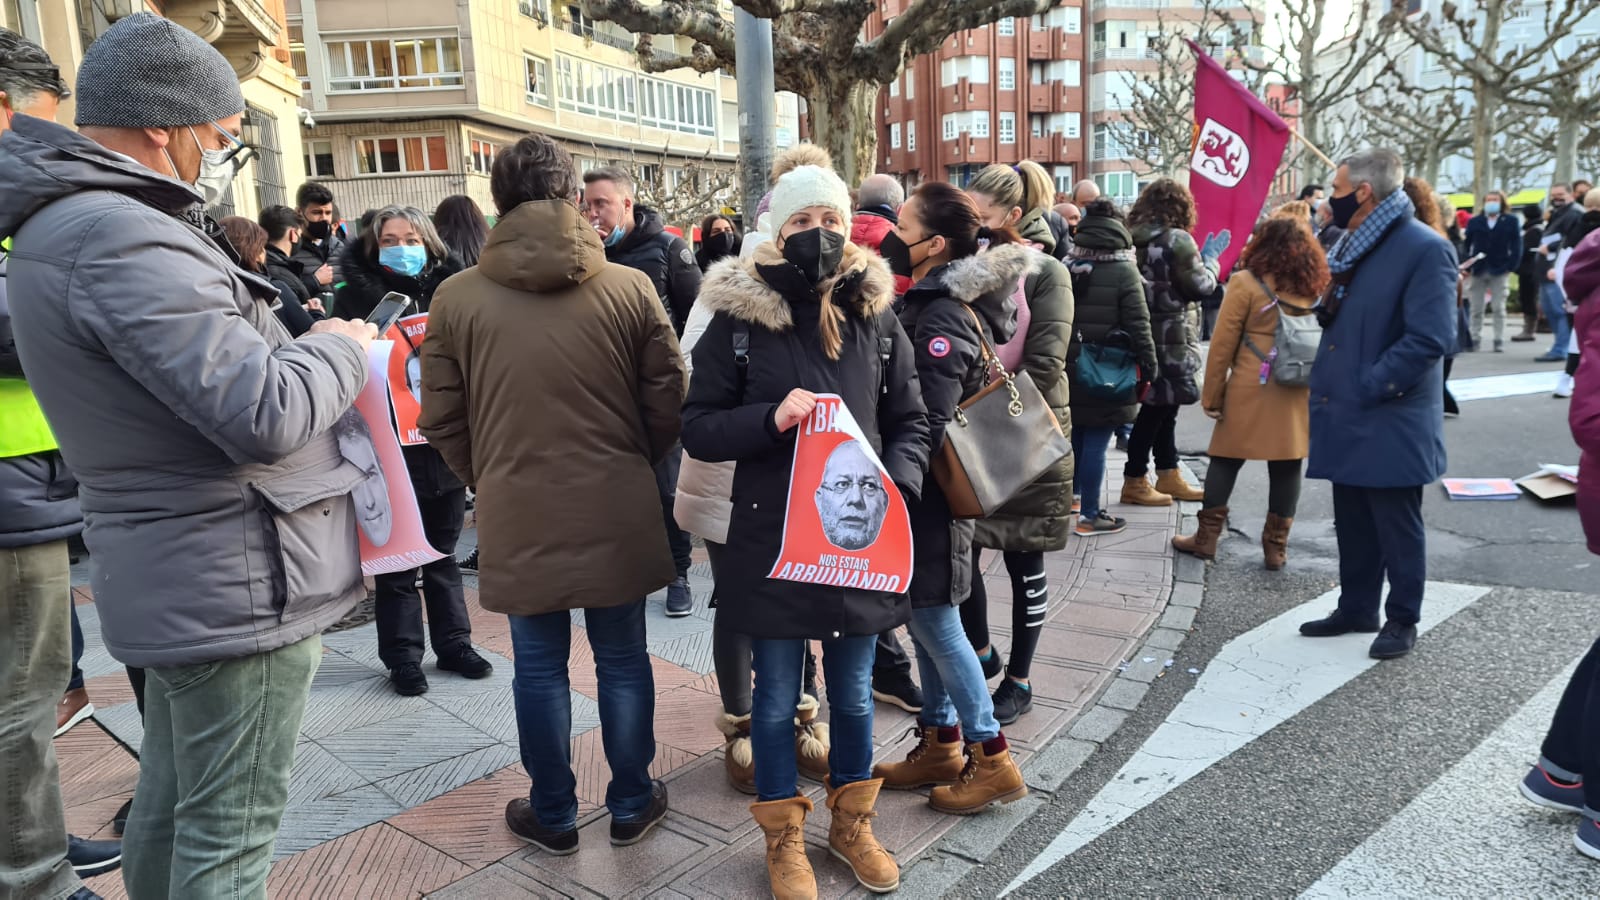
1313,148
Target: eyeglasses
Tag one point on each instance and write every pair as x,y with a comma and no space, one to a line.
870,486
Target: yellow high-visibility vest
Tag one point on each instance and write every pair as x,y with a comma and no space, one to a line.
23,429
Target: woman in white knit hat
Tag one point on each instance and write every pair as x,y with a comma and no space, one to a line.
807,313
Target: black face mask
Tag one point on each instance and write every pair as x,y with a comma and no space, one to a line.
897,253
816,252
1342,209
720,245
319,231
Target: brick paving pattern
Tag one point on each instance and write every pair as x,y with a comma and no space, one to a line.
397,797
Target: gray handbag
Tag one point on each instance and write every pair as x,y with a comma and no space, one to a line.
999,441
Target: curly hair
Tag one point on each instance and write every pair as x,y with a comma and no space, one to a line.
1426,202
1165,203
1288,252
1294,209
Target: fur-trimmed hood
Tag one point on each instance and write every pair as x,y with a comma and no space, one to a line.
863,287
986,282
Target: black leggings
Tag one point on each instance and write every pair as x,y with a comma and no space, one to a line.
1283,494
1030,601
1154,432
1572,363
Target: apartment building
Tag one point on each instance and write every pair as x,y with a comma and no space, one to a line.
1007,92
251,34
409,101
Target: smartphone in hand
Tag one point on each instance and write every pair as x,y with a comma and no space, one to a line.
389,310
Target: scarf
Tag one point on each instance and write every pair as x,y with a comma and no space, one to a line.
1356,243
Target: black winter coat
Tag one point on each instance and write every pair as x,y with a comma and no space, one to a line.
1107,293
366,281
311,257
665,258
781,311
1175,278
938,315
285,273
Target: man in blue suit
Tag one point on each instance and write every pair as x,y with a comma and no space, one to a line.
1496,235
1377,399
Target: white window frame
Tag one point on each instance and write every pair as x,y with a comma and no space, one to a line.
1074,126
543,96
1036,125
894,87
1074,73
911,135
1006,27
1008,128
952,126
911,84
894,136
537,10
349,47
1074,16
1007,78
979,123
481,152
400,139
312,171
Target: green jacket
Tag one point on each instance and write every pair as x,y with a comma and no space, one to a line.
1108,294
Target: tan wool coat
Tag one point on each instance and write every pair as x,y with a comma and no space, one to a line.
1259,421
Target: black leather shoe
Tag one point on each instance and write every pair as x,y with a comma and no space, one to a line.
1395,641
408,680
467,663
624,834
119,822
85,894
524,824
895,687
1336,624
91,858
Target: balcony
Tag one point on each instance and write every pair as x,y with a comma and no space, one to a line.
1039,97
246,32
961,96
1040,43
1102,53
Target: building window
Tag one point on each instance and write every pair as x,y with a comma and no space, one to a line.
297,55
911,135
1074,129
1064,179
1006,27
483,154
381,64
894,87
401,155
538,72
894,136
950,126
1008,74
611,93
537,10
604,32
1074,17
1008,128
980,123
1074,72
975,69
319,159
911,84
1036,126
1036,73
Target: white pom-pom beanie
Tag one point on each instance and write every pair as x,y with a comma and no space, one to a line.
808,186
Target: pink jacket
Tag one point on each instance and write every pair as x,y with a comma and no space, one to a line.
1582,282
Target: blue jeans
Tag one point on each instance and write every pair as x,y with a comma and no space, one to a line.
1089,449
952,679
1553,301
847,667
543,696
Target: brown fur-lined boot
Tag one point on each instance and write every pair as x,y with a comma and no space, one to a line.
850,836
1203,543
737,756
810,740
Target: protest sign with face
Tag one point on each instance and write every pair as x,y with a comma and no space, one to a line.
405,376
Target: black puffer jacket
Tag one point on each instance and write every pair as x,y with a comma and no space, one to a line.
1107,293
665,258
1176,277
780,311
285,274
366,281
938,315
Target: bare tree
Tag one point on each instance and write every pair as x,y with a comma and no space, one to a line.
818,50
682,190
1468,43
1427,126
1572,100
1589,151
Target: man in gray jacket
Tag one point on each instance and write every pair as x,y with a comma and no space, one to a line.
215,488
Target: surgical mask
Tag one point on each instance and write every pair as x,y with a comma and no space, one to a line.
404,260
216,167
319,231
897,253
1343,209
816,252
1491,208
615,237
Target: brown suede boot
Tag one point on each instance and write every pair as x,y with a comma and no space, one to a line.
991,776
1138,492
850,835
1203,543
1275,541
810,740
737,756
784,824
936,759
1170,482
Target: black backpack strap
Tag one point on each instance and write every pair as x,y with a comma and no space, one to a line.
885,353
741,356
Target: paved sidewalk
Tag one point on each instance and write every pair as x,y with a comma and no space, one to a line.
403,797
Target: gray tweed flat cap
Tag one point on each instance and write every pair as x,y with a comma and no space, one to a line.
150,72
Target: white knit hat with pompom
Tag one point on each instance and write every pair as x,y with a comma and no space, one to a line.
808,186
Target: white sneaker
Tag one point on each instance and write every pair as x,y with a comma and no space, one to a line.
1564,386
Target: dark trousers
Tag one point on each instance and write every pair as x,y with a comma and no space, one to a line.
667,483
398,607
1380,535
891,655
1155,432
1450,404
76,681
1572,748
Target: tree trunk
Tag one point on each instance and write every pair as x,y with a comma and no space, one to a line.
844,120
1482,145
1567,148
1431,160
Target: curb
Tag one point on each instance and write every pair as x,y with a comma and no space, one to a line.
976,838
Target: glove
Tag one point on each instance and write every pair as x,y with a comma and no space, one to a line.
1215,245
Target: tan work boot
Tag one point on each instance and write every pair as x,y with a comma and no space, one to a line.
737,756
850,835
1138,492
784,824
936,759
810,740
1275,541
1203,543
1171,483
991,776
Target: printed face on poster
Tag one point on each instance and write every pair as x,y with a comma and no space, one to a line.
405,376
403,545
846,524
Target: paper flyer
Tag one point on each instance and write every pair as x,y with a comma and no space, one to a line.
846,524
405,375
406,546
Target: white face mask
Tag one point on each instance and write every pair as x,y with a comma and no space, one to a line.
216,167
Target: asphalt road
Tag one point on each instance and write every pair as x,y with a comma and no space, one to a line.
1304,806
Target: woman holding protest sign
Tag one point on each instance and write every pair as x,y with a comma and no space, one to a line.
958,308
807,313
